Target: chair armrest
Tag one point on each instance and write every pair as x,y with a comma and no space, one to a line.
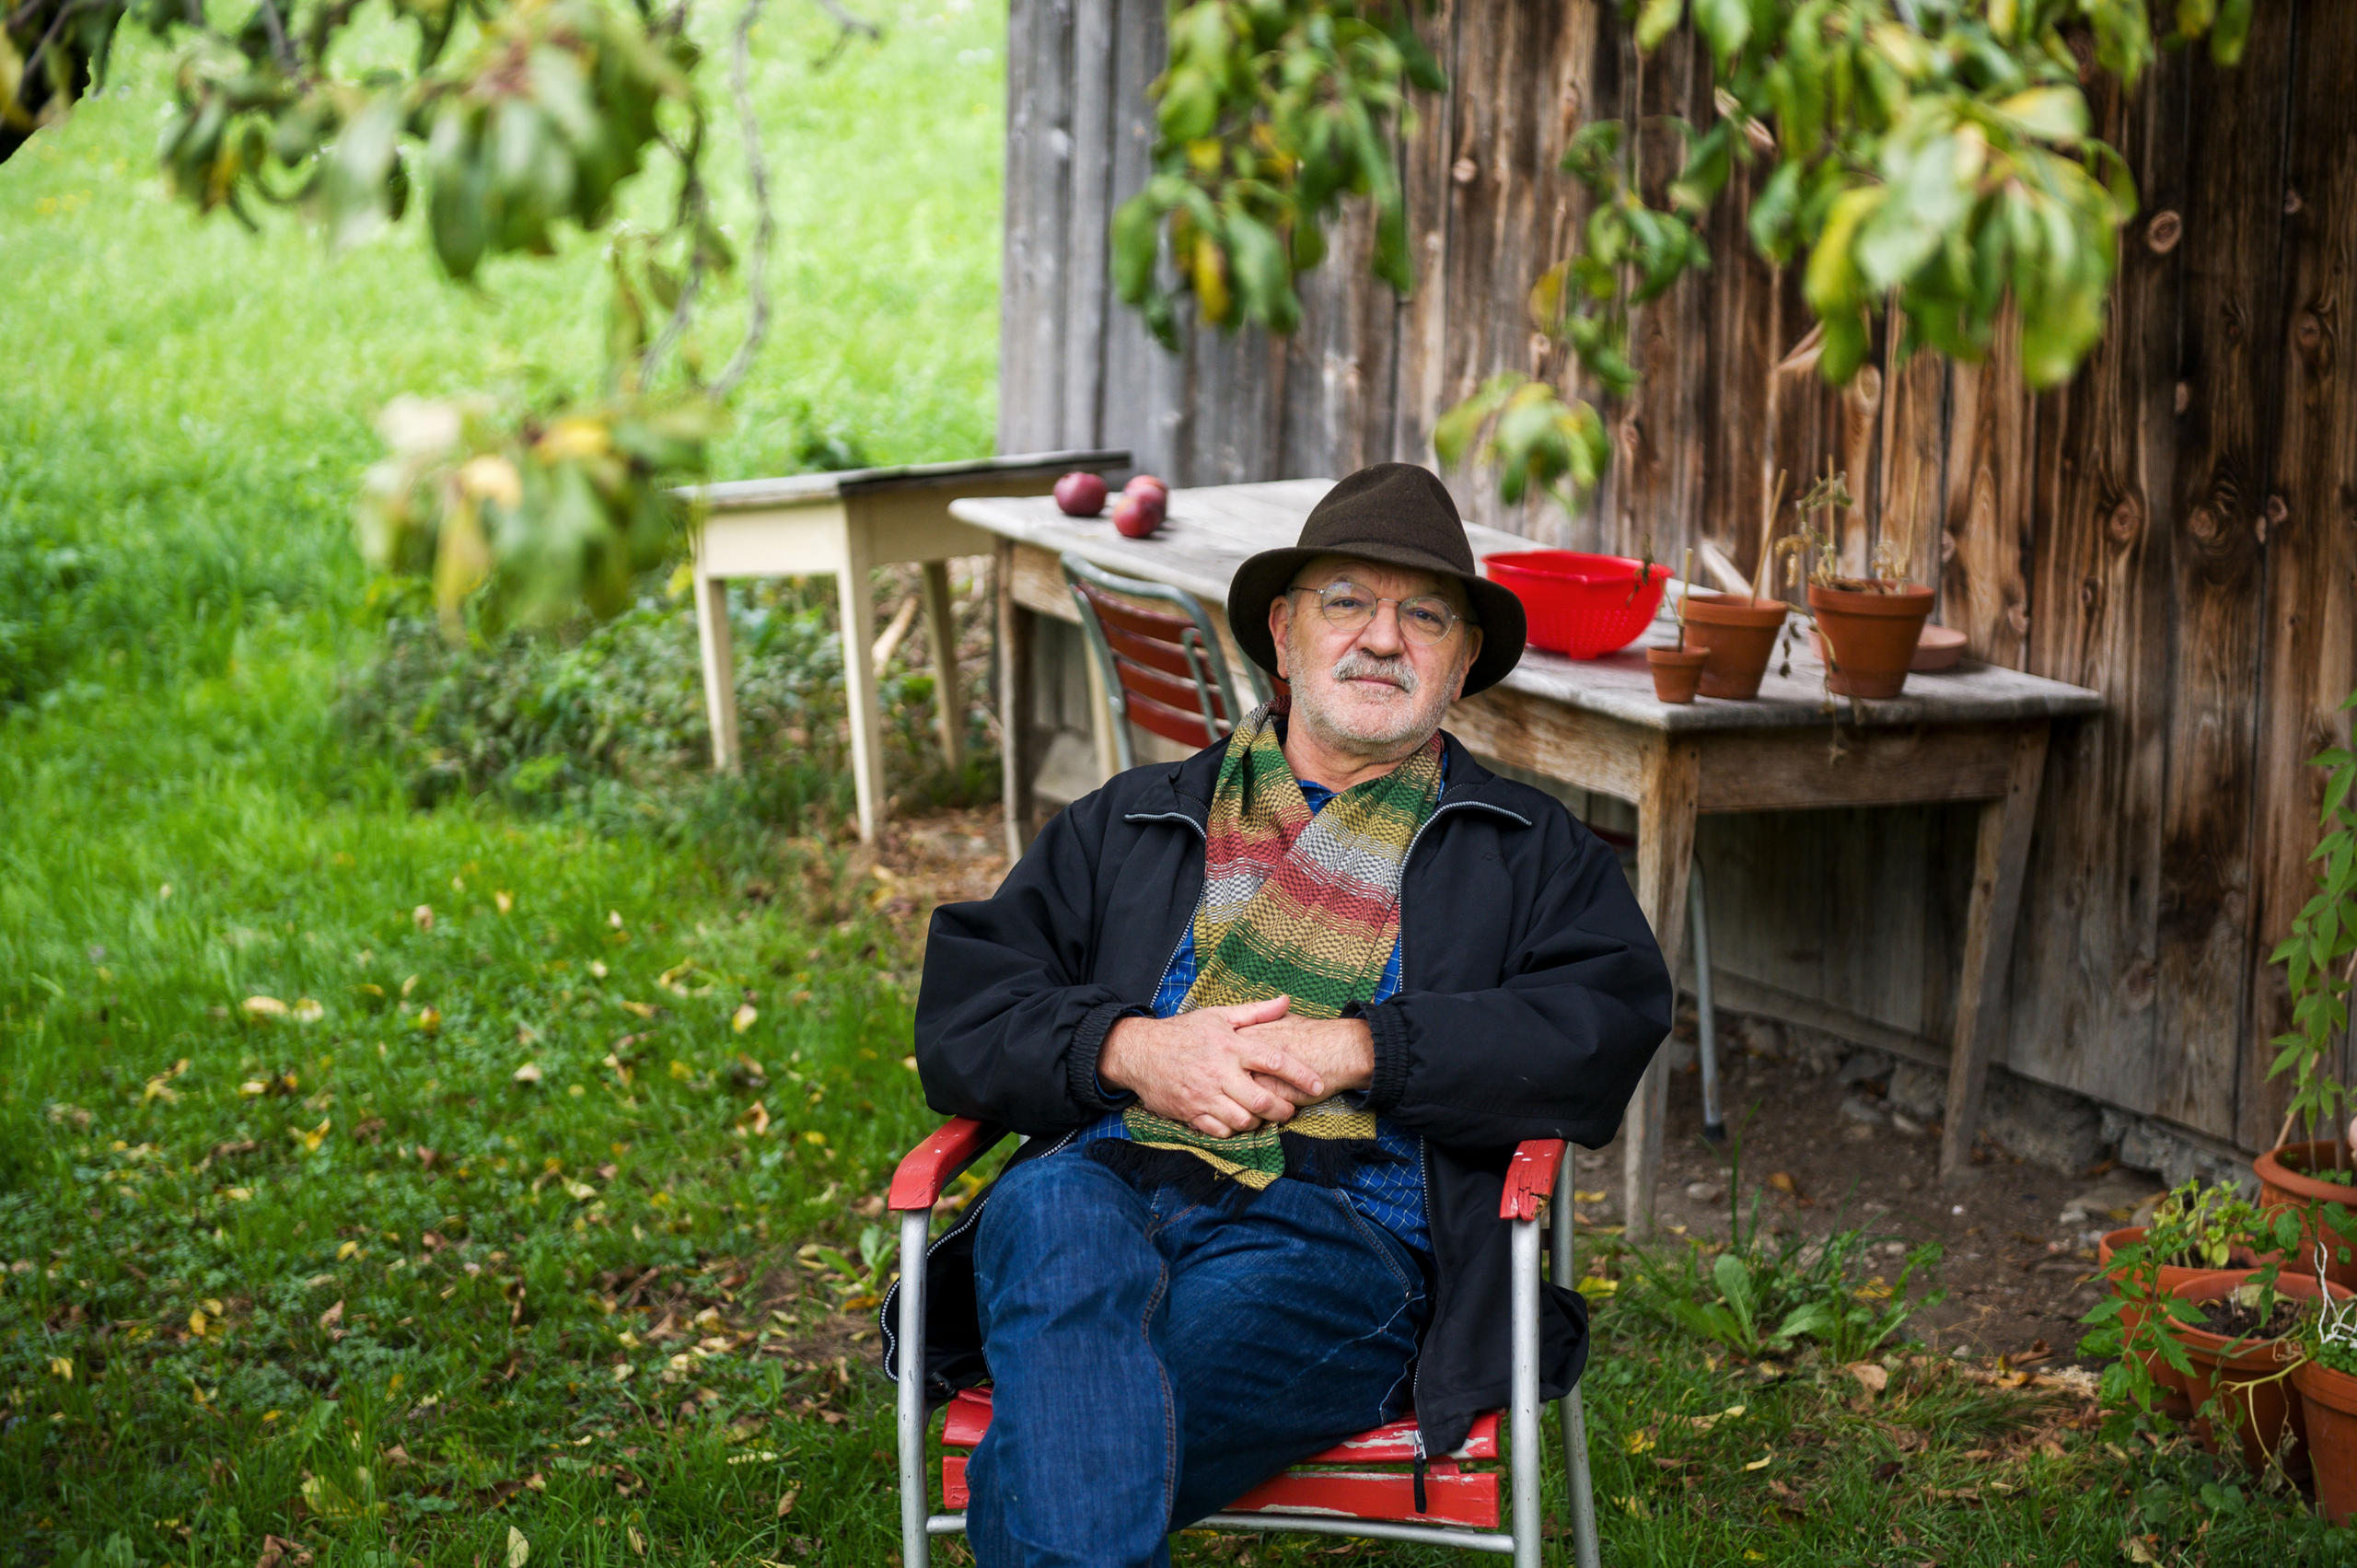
1530,1178
934,1163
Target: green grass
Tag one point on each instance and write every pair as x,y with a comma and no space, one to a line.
344,1277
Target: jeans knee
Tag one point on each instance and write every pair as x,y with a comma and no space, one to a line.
1058,1203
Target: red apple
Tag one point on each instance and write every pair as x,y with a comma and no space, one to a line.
1137,514
1145,483
1080,495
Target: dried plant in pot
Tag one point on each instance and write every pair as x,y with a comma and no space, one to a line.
1870,624
2317,1177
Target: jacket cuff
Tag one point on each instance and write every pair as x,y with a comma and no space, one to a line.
1087,1045
1390,1031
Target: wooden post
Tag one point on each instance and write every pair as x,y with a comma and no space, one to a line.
719,670
1664,851
2000,854
856,595
1015,761
941,626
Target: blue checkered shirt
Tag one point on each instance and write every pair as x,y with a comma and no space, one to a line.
1390,1192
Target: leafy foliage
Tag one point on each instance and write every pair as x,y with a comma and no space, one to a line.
2319,957
1926,158
1270,112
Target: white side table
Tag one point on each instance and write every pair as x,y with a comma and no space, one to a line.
847,523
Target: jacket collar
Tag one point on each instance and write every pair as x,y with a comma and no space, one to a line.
1185,788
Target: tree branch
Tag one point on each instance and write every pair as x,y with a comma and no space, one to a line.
758,174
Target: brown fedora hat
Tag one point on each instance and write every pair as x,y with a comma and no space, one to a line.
1401,515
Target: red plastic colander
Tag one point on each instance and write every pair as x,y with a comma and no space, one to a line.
1582,605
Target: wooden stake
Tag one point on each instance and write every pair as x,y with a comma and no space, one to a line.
1768,538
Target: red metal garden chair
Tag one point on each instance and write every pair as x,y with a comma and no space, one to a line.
1362,1487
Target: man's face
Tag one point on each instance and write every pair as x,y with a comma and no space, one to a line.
1375,691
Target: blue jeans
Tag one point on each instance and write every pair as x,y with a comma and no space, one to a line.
1154,1359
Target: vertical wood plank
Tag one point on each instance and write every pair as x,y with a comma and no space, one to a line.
1422,324
2001,851
1088,295
1018,744
2086,967
1984,588
2308,650
2231,342
1665,855
1032,299
1142,399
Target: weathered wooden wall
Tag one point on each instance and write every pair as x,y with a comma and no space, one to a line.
2178,529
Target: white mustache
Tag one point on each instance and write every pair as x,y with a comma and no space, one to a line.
1361,666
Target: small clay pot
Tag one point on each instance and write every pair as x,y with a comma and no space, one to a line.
1676,672
1870,636
1740,633
2284,1183
1936,648
2328,1400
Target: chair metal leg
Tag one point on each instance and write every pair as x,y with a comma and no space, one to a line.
1525,1412
1698,929
916,1545
1575,1478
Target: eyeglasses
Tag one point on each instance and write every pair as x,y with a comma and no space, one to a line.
1347,607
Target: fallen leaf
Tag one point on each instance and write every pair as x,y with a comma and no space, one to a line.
262,1007
1580,1197
1704,1422
637,1541
1638,1442
429,1020
622,1369
755,1119
423,915
536,1481
1761,1463
197,1321
505,901
598,967
785,1503
1870,1376
306,1011
277,1552
744,1017
332,1316
2133,1548
519,1549
528,1073
62,1366
639,1009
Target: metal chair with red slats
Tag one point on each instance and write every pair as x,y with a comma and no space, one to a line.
1361,1487
1164,673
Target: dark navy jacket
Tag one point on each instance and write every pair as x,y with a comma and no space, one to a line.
1533,996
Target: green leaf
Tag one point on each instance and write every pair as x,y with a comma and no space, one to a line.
2057,115
1726,24
1655,21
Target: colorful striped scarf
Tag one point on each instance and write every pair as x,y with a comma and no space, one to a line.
1299,904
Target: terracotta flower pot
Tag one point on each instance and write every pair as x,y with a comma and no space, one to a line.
1740,634
2261,1412
2284,1183
2328,1401
1870,637
1936,648
2173,1404
1676,672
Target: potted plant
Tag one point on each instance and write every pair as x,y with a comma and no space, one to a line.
1738,631
2197,1232
1678,670
1870,624
2319,959
2239,1338
2326,1381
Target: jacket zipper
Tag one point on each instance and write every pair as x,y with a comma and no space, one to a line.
1424,1159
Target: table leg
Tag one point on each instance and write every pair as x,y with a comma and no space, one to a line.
1664,851
2000,855
1017,753
857,596
942,627
719,670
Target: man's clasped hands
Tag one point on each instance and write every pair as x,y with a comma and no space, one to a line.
1222,1071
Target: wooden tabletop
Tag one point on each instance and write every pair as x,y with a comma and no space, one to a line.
1210,531
747,494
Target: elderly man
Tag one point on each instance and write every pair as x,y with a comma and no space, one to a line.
1274,1018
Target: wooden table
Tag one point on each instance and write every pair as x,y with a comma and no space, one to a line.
1978,734
847,523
